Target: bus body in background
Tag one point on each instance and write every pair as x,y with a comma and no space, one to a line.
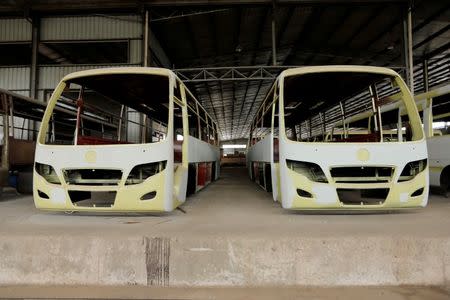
435,108
139,142
340,137
18,139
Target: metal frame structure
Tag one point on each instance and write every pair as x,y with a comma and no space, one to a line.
232,91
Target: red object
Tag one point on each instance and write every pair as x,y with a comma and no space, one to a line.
89,140
361,138
201,174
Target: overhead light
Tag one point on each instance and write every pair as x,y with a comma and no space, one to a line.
316,105
293,105
234,146
238,48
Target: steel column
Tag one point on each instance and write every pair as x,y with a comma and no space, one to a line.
274,37
410,51
146,39
34,71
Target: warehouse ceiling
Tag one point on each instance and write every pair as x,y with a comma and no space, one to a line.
239,33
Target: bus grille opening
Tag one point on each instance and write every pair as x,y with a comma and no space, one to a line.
362,196
362,174
92,176
92,199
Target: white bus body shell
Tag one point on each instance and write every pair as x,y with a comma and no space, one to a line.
327,155
170,184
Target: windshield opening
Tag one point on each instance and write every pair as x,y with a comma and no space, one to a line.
347,107
111,109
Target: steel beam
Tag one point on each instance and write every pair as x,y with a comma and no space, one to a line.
230,73
61,6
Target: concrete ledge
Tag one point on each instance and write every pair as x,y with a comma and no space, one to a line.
227,293
232,235
205,262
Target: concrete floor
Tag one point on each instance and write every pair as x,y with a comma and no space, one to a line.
231,206
232,235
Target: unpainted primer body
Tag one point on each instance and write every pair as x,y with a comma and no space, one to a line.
285,182
170,184
438,144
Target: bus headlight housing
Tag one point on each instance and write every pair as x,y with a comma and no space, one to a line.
412,169
141,172
311,170
47,172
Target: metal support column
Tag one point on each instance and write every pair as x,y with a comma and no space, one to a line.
34,72
5,148
425,75
34,76
145,63
408,49
146,40
274,37
427,105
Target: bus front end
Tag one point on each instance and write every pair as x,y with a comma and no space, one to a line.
103,178
106,143
355,144
357,176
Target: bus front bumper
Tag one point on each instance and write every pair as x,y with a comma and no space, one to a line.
148,196
303,194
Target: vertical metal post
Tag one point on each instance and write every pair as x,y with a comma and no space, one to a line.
343,118
34,54
144,130
405,49
410,51
119,129
146,39
11,114
399,126
427,105
5,148
310,128
145,43
79,118
274,44
425,75
34,72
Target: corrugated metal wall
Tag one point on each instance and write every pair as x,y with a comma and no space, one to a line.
88,28
68,28
49,76
15,78
91,28
15,30
136,51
